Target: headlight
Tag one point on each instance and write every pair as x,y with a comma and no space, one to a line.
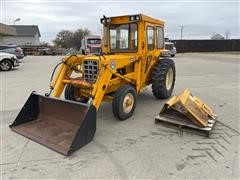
135,18
138,17
105,21
14,58
131,18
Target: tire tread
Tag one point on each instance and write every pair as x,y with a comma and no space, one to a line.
159,77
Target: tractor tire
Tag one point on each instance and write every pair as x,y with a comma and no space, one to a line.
6,65
70,94
124,102
163,78
83,52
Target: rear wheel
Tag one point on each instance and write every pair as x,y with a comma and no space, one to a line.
6,65
124,102
163,78
72,93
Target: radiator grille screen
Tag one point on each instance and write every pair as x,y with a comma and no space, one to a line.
90,71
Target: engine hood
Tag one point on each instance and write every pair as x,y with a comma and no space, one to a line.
7,55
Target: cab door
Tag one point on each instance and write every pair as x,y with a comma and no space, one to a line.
150,44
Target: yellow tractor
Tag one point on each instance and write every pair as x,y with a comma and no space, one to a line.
129,61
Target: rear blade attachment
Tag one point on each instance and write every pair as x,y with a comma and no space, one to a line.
61,125
188,106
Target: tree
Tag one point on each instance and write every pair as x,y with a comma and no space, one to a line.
64,39
69,39
78,36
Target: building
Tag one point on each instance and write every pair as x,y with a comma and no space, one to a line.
26,35
217,37
6,30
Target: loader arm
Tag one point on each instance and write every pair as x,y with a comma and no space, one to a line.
101,87
109,67
64,71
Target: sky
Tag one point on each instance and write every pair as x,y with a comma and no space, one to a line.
200,18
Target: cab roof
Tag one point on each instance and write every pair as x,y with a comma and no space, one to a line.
143,18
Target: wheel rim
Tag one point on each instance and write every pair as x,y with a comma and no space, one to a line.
169,79
128,102
5,66
77,95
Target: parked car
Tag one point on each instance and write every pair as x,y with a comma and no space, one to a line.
90,44
12,49
170,49
8,61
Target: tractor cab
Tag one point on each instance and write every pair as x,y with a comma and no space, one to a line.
133,34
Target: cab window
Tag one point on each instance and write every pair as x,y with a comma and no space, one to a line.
150,38
160,37
123,37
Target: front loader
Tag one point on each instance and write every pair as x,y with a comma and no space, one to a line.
129,61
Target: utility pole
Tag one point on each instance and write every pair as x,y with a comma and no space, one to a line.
181,31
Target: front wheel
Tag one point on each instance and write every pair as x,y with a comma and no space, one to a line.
163,78
72,93
6,65
124,102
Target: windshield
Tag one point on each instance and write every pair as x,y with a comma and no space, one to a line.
94,41
169,46
123,37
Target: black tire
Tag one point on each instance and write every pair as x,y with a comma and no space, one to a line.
6,65
70,94
159,76
118,102
83,52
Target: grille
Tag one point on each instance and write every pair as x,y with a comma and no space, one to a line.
169,46
90,71
95,49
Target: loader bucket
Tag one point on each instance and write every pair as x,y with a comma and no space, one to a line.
63,126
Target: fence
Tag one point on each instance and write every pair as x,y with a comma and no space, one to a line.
207,45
